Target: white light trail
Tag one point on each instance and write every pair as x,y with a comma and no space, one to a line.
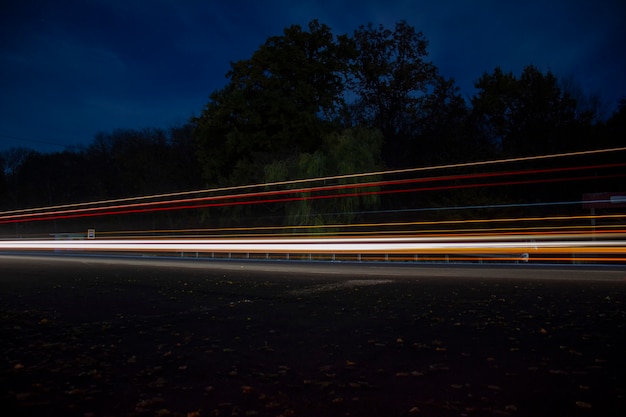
336,245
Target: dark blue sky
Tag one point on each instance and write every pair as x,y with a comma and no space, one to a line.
72,68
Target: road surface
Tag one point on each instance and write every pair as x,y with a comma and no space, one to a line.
103,336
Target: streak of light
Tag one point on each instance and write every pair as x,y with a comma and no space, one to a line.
370,184
479,247
376,227
462,239
140,208
318,179
519,232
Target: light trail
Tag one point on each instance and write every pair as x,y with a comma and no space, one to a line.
374,226
319,179
475,247
540,238
280,231
132,208
143,208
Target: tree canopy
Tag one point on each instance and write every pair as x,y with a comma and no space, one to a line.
529,114
278,103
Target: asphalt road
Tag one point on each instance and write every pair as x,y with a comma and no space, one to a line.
99,336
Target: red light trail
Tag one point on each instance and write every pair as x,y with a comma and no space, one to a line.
170,205
543,241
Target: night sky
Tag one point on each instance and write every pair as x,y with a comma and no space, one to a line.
72,68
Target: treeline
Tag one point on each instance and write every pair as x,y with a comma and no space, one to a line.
309,103
123,163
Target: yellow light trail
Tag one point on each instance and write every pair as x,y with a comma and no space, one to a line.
374,226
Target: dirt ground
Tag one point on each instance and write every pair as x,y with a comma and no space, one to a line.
90,340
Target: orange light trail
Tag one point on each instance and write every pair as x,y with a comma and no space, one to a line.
541,238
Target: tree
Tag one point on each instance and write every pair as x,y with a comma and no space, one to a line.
46,179
445,132
130,162
529,115
616,126
3,181
392,82
280,102
183,158
350,151
14,157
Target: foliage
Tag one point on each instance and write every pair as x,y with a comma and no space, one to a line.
400,93
120,164
280,102
390,77
351,151
615,128
528,115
